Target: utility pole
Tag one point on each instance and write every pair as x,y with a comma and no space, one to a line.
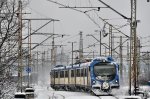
121,59
53,54
100,51
30,57
93,54
149,65
1,73
100,42
72,55
105,51
110,40
128,57
72,44
29,50
54,48
33,77
20,65
61,57
53,51
37,66
43,67
113,54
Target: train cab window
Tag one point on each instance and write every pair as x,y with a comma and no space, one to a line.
66,73
61,74
72,73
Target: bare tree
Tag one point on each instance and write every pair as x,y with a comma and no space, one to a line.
8,32
9,27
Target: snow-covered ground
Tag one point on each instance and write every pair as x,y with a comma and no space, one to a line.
48,93
43,92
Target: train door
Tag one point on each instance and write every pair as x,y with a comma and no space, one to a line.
66,77
89,77
69,77
77,77
82,76
61,77
72,77
86,77
56,77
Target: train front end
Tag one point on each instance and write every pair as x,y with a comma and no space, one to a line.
104,75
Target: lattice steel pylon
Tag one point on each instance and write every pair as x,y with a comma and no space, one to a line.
81,46
133,48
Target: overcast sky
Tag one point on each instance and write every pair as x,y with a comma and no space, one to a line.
72,22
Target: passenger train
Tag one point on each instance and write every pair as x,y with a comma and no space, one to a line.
99,75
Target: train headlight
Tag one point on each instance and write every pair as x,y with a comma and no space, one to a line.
93,81
116,81
105,85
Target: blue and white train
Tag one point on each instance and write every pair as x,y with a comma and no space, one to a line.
99,75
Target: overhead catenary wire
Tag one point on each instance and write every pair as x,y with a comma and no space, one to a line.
90,17
75,10
125,17
111,25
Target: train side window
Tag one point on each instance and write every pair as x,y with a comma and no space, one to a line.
78,72
82,72
61,74
66,73
72,73
56,74
85,72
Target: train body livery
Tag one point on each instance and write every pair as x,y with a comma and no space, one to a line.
100,75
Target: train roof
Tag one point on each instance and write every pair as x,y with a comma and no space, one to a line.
59,67
72,66
83,64
104,59
86,64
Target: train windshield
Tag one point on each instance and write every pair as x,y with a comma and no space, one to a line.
104,71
